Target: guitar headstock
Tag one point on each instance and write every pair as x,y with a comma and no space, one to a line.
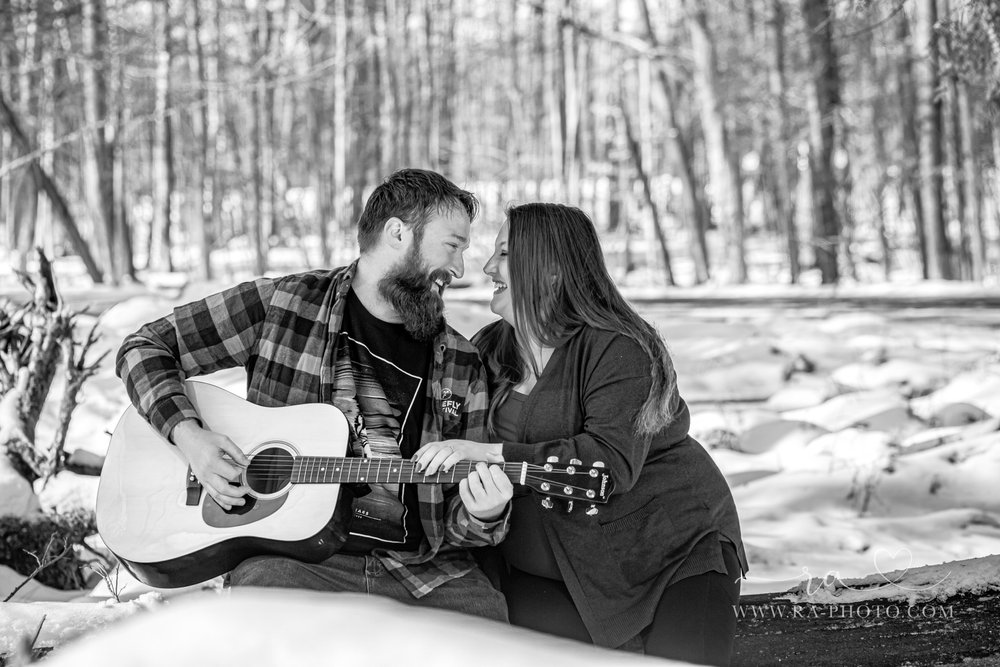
573,483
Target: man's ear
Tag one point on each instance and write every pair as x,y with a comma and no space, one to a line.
395,233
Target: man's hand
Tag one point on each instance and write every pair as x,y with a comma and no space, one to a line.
442,455
486,492
215,461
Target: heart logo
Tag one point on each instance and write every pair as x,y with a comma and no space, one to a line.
897,562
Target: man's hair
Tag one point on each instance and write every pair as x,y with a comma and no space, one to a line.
411,195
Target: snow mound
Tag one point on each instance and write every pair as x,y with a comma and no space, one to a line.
281,627
916,377
848,409
980,388
61,622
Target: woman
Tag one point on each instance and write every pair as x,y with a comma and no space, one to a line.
575,373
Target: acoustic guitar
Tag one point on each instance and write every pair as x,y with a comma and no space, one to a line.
155,517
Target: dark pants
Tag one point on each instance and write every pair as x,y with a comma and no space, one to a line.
341,573
694,620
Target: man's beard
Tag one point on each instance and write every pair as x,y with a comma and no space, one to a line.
412,291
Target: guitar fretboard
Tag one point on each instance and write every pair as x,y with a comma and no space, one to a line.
348,470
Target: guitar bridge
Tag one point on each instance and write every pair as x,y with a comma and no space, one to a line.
193,489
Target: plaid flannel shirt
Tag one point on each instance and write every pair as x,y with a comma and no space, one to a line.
284,332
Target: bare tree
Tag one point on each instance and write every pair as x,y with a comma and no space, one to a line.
929,122
205,127
727,197
779,136
98,169
164,178
697,212
824,100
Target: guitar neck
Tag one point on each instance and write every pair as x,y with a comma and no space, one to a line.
351,470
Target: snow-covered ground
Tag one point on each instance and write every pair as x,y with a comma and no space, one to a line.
858,442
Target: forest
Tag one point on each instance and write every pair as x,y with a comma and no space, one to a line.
725,141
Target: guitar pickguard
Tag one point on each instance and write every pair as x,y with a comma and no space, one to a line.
254,510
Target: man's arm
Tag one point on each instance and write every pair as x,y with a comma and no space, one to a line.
217,332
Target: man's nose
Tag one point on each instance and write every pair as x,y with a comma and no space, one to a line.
458,267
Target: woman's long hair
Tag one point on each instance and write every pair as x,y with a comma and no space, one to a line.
558,284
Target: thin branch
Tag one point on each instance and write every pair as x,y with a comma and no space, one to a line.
45,561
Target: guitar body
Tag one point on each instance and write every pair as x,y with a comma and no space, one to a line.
169,536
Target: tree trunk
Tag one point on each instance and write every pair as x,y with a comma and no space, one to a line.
960,262
929,133
697,211
163,162
202,220
878,114
779,138
570,104
341,134
727,196
319,130
7,65
98,167
636,152
973,184
910,143
555,96
23,198
216,121
122,232
824,102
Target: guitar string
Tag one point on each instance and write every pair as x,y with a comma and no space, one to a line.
534,478
351,459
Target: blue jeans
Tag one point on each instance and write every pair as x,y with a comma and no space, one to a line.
342,573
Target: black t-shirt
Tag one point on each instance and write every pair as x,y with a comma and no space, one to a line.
390,369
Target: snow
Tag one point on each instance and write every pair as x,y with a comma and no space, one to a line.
244,628
881,463
975,576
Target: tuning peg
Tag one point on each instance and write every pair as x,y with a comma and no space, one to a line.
592,510
549,462
553,459
575,462
547,502
569,507
599,464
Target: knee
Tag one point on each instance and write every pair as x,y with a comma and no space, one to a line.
263,571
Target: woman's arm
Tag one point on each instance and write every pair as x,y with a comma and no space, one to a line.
613,386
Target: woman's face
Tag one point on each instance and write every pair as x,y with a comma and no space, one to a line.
496,268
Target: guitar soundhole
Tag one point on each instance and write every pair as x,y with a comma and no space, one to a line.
270,471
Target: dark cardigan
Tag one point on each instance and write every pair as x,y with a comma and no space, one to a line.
671,505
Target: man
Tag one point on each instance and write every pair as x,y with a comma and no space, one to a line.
369,338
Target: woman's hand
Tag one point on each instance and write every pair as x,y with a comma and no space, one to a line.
486,492
442,455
